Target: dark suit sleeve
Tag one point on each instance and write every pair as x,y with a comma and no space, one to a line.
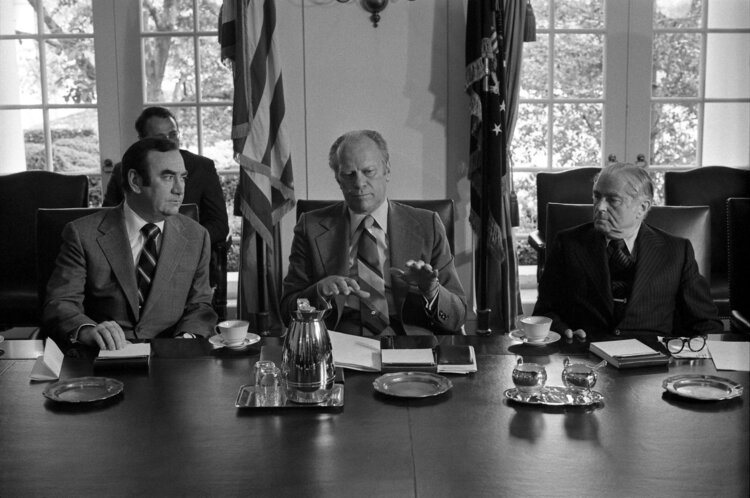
199,317
552,286
114,194
696,311
300,281
449,314
213,209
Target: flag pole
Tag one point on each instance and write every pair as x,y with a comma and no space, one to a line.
483,312
262,324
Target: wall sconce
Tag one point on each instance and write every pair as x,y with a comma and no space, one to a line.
374,7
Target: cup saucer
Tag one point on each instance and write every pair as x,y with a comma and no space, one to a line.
249,339
551,338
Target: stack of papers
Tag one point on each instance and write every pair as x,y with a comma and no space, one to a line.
628,353
355,352
457,359
132,355
730,355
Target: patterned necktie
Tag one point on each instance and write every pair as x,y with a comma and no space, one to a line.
621,266
147,261
373,311
619,258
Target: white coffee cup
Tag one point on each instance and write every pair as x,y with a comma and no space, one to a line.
232,332
535,328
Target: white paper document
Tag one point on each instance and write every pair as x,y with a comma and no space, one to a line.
47,366
355,352
408,357
137,350
730,355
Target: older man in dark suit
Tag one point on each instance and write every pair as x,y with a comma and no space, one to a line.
384,267
619,276
136,271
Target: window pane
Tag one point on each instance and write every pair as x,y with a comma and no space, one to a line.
674,134
75,140
676,65
725,131
68,16
20,83
529,146
577,135
169,64
216,129
579,14
677,13
728,66
71,73
208,15
728,14
17,18
541,13
22,139
188,123
216,78
535,80
167,16
578,66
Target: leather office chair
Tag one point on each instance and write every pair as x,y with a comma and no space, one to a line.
444,208
49,227
689,222
573,187
738,242
21,194
710,186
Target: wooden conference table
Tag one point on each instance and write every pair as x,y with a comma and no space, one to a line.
175,431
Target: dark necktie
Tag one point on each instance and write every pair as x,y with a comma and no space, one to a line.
619,257
147,261
621,266
373,311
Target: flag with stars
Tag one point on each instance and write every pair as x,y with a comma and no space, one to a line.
488,160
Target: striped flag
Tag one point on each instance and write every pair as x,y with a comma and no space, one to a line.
262,148
259,134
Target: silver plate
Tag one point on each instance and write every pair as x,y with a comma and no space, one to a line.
703,387
412,384
248,397
83,389
555,396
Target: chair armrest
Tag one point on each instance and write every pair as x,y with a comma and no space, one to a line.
536,241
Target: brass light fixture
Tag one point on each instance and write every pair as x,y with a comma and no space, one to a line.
374,7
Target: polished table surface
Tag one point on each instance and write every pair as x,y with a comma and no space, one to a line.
175,431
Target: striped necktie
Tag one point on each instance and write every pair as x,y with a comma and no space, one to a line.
373,311
147,261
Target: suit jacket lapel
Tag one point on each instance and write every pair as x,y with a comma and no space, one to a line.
115,245
173,244
593,260
649,257
333,235
402,246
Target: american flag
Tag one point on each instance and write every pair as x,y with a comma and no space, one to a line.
262,148
259,134
488,160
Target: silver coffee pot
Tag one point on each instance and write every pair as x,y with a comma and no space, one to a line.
307,359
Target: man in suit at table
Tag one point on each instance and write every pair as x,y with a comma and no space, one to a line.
203,186
96,294
593,286
408,285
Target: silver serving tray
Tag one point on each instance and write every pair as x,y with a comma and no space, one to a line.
249,398
702,387
83,389
555,396
412,384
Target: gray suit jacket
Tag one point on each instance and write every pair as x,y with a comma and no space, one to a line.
669,296
94,280
320,249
